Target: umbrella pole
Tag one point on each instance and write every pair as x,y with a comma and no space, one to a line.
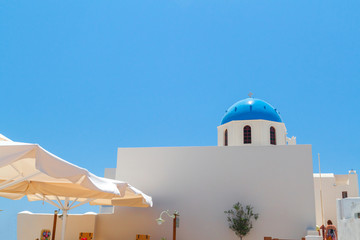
65,211
63,225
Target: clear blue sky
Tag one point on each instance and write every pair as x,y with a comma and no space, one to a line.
82,78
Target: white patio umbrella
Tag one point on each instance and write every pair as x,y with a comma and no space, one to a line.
29,170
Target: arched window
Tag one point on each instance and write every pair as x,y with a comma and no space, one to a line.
225,138
272,136
247,134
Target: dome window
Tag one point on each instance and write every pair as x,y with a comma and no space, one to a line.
247,134
226,137
272,136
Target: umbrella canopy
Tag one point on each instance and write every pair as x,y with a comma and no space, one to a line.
29,170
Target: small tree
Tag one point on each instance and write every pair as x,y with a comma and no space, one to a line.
240,219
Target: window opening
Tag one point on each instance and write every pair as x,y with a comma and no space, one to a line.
344,194
226,137
272,136
247,135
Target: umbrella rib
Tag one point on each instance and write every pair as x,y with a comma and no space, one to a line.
73,202
59,201
9,180
15,169
47,200
82,203
19,180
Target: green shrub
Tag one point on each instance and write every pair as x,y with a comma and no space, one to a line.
240,219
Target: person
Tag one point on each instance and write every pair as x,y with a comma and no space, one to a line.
330,231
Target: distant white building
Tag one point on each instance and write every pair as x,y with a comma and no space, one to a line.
333,187
254,163
348,212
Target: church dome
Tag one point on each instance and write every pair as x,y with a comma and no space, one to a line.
251,109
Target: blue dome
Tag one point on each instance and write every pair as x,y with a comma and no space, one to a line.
251,109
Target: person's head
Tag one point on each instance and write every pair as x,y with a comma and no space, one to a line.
329,222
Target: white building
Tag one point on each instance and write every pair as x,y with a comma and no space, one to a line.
333,187
348,211
252,122
254,163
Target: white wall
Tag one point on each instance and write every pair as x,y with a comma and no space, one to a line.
203,182
110,173
332,188
348,223
260,132
29,225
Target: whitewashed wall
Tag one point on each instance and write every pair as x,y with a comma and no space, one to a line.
203,182
332,188
260,132
348,223
29,225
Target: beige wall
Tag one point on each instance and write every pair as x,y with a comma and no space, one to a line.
203,182
332,188
29,225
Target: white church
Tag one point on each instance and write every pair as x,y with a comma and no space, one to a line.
254,163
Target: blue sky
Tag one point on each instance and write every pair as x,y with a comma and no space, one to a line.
83,78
